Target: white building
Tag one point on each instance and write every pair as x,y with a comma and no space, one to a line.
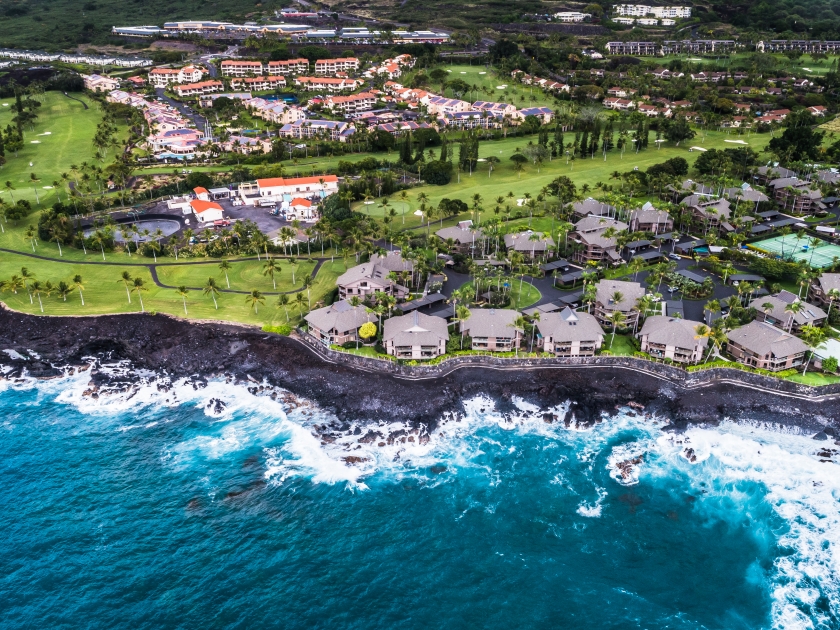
572,16
206,211
641,10
161,77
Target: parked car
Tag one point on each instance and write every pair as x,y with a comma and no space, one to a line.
673,256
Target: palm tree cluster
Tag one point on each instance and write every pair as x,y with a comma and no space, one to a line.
28,281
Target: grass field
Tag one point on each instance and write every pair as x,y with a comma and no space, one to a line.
489,83
105,294
243,276
62,136
805,64
518,299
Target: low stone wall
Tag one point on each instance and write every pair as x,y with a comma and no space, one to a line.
668,373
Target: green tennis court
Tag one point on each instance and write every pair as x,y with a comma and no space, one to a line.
791,247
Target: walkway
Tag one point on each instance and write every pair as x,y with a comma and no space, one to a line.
153,267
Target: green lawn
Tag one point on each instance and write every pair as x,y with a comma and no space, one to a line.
61,136
243,276
620,346
815,379
519,299
105,293
488,84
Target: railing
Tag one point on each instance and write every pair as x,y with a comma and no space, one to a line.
677,374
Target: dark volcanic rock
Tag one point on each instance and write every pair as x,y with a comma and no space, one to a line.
201,351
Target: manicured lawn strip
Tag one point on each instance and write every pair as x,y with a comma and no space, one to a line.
620,346
528,295
105,293
243,276
815,379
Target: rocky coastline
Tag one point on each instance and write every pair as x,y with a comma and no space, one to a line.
44,347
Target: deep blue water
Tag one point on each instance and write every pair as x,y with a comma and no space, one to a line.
140,514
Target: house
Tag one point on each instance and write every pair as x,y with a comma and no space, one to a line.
363,101
618,104
621,92
570,334
415,336
572,16
274,188
492,329
712,213
597,239
206,211
503,109
771,309
338,323
240,68
819,290
331,66
760,345
530,244
470,120
299,209
627,294
246,145
543,114
368,278
818,110
672,338
196,89
593,207
437,105
201,193
97,83
290,66
464,237
649,219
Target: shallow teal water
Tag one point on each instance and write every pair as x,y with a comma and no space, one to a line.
143,515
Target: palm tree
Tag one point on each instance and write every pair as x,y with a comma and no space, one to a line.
299,300
713,306
462,314
139,287
182,291
536,318
224,266
64,290
80,287
832,295
616,318
255,298
814,337
308,281
126,279
293,262
36,288
794,308
283,300
269,268
27,276
519,325
14,283
211,289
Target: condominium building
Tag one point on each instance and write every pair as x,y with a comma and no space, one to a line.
331,66
239,68
572,16
195,89
641,10
258,84
161,77
758,344
632,48
289,66
305,128
361,102
326,84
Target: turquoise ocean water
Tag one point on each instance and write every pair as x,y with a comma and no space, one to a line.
147,509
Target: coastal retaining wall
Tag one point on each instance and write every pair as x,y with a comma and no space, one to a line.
667,373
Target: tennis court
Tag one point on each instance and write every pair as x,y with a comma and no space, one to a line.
791,247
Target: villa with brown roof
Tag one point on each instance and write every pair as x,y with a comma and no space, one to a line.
529,244
464,238
570,334
606,304
672,338
761,345
492,329
818,291
415,336
787,320
649,219
590,206
338,323
711,213
592,234
368,278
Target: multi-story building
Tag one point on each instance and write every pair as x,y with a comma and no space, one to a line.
289,66
796,195
617,296
570,334
331,66
196,89
807,46
775,309
438,105
531,245
161,77
760,345
326,84
258,84
348,105
597,239
493,329
711,213
572,16
649,219
97,83
241,68
673,338
305,128
338,323
275,188
632,48
641,10
824,288
375,275
415,336
698,46
618,104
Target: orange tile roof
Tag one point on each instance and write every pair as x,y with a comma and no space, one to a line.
294,181
200,206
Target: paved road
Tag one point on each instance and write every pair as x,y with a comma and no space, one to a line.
185,110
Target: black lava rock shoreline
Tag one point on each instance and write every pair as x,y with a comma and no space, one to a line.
180,348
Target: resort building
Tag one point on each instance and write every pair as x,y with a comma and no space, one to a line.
796,195
779,310
240,68
331,66
415,336
347,105
439,105
641,10
593,207
97,83
492,329
596,239
672,338
326,84
303,128
338,323
632,48
823,288
464,238
197,89
162,77
712,214
649,219
368,278
530,244
275,188
617,296
258,84
761,345
570,334
289,66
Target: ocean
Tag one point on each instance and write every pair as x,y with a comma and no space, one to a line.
196,506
